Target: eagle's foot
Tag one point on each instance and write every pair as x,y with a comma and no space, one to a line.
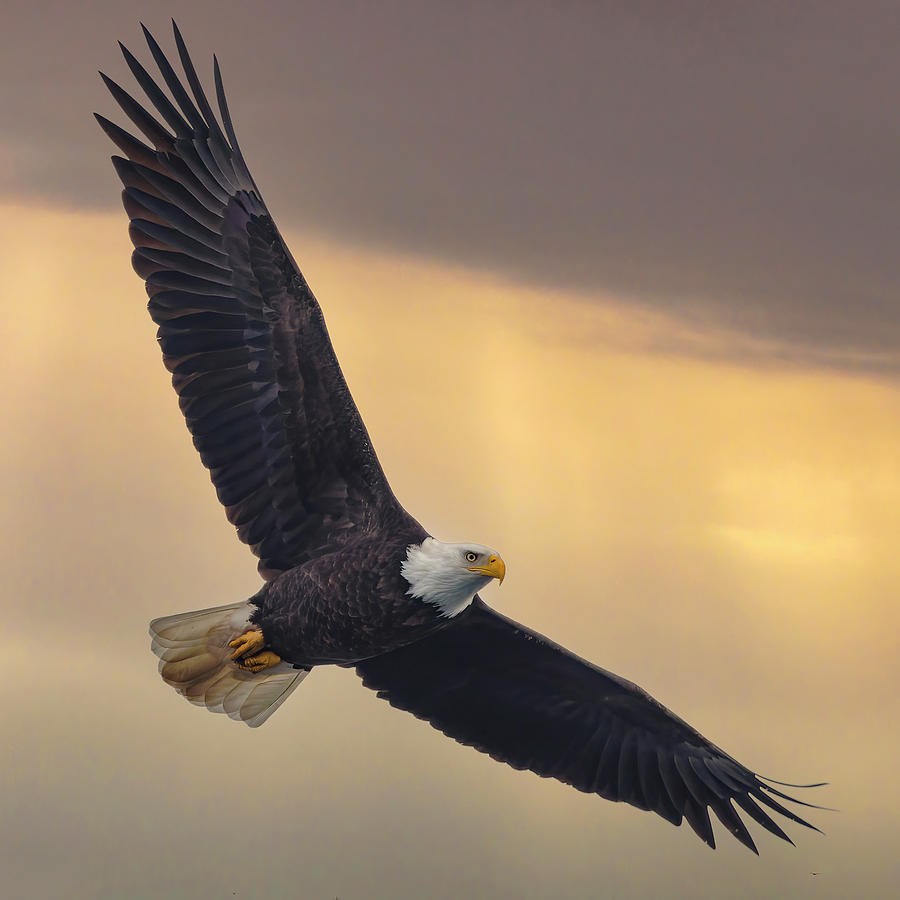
249,654
249,642
264,660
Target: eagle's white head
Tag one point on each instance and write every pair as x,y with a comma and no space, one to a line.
449,575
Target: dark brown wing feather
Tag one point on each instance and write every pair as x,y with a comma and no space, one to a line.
494,685
240,330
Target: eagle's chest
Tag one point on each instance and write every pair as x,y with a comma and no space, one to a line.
343,607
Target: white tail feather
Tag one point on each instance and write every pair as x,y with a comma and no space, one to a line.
194,657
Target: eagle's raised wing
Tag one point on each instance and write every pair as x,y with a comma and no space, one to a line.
495,685
240,330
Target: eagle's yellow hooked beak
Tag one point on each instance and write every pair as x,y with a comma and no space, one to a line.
495,568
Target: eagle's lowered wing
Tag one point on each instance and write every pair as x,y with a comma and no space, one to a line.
492,684
240,330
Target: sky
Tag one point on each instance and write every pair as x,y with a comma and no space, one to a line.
657,238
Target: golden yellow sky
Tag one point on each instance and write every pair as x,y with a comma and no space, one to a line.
723,533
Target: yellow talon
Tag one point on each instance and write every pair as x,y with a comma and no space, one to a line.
253,642
249,642
264,660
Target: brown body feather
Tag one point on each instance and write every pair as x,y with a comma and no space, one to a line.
347,605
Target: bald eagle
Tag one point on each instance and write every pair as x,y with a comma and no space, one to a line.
350,578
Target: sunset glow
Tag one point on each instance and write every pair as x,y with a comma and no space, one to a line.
730,538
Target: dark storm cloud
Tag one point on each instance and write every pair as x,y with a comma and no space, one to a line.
735,164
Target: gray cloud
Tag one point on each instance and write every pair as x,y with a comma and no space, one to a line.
735,165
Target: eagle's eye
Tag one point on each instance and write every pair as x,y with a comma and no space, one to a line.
471,557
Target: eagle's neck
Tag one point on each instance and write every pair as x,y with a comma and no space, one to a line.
435,576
